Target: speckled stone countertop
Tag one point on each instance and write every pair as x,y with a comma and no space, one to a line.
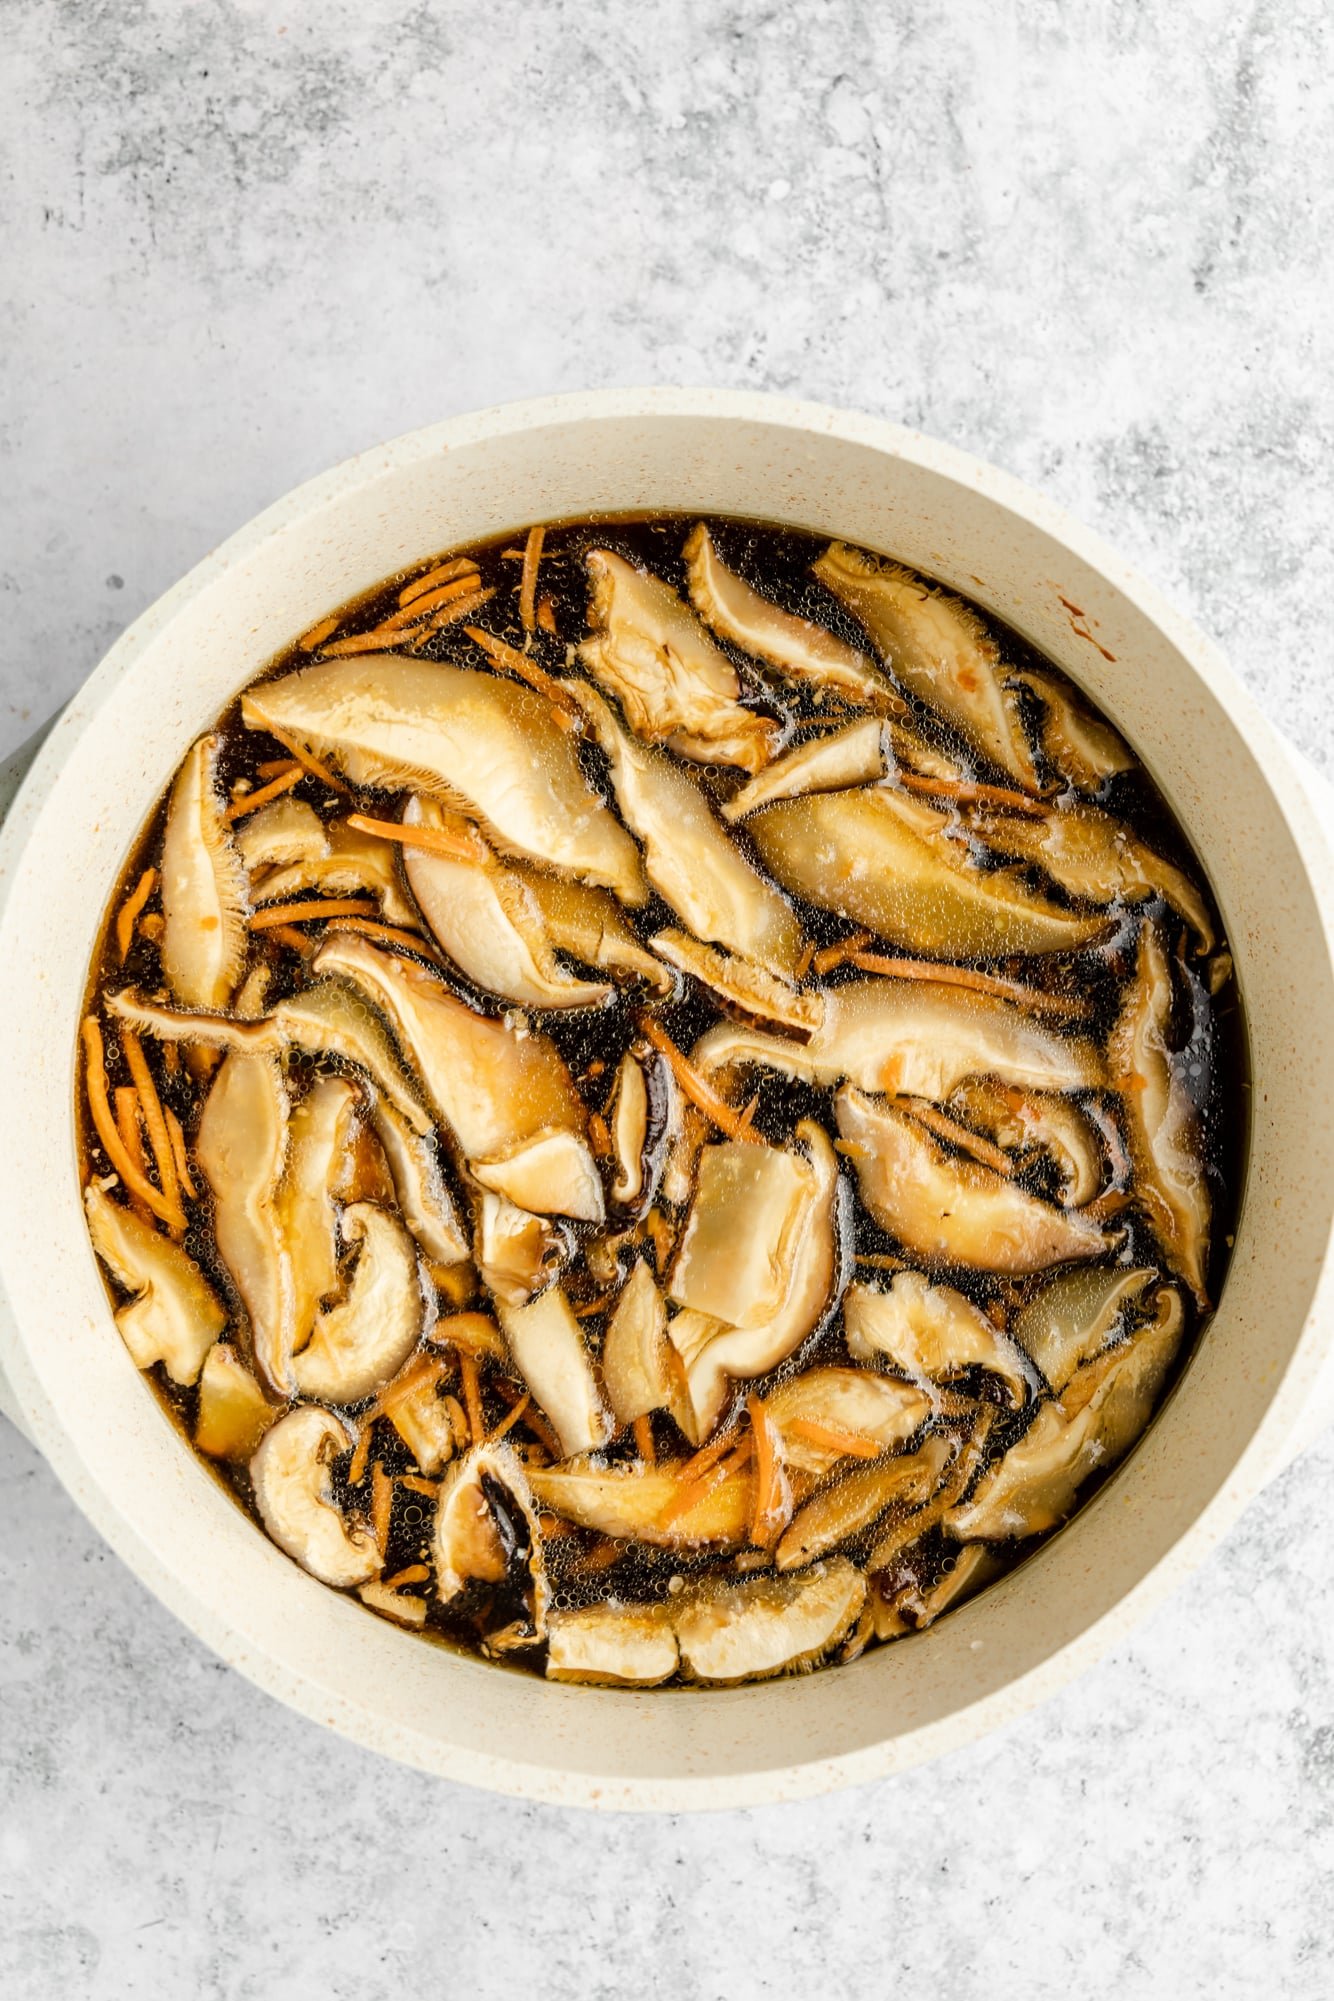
1086,239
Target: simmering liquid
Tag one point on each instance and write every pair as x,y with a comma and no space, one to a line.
662,1100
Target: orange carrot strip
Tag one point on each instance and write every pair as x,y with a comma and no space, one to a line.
514,662
128,914
601,1556
461,608
834,955
443,573
698,1088
248,801
690,1492
766,1469
308,758
472,1394
532,556
967,976
295,941
380,639
274,767
179,1153
882,1260
132,1137
949,1129
962,789
709,1455
416,1573
317,634
99,1105
392,934
382,1505
546,615
306,909
426,1369
466,846
644,1446
417,1485
805,961
507,1423
599,1139
851,1443
152,927
356,1471
429,601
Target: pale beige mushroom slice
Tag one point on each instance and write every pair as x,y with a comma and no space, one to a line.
900,1532
740,984
768,1625
1162,1125
405,1608
552,1174
234,1412
947,1210
689,857
486,1529
637,1124
831,762
649,650
890,862
359,1344
1075,1316
1043,1121
590,925
318,1138
797,648
517,1253
174,1316
353,862
1085,750
547,1344
918,1037
488,921
932,1333
241,1147
427,1205
621,1646
1102,1411
293,1488
641,1503
856,1500
636,1363
920,1605
1096,857
284,831
205,904
760,1255
817,1412
939,650
462,735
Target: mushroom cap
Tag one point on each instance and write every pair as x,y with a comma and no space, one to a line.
358,1345
175,1316
768,1625
293,1492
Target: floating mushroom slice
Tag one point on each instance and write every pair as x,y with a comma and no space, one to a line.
293,1489
204,902
1019,1120
828,763
361,1343
651,652
1084,749
489,922
626,1646
1103,1410
901,1532
404,1607
352,862
1076,1315
768,1625
486,1530
517,1254
918,1037
422,1420
1096,857
636,1369
947,1210
317,1147
939,650
845,1403
839,1512
590,925
970,1571
553,1175
493,1084
630,1503
174,1317
741,984
427,1206
464,736
234,1412
284,831
932,1333
796,647
242,1150
689,858
548,1346
628,1127
1163,1128
887,861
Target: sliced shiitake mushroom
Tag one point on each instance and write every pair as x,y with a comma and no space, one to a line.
284,831
948,1210
553,1174
462,735
767,1625
241,1148
824,1413
517,1253
204,892
1075,1315
487,1532
425,1201
1044,1122
831,762
675,686
920,1604
840,1511
318,1138
234,1412
626,1646
1085,750
636,1367
932,1333
174,1316
359,1344
590,925
660,1505
547,1344
293,1489
742,985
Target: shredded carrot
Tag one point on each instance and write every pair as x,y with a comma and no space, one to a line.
553,1527
416,1573
852,1149
592,1307
275,767
601,1556
967,1141
747,1118
644,1446
477,1332
128,914
306,909
458,1418
882,1260
963,790
966,976
766,1473
546,615
709,1455
415,1483
295,941
697,1087
466,845
317,634
356,1471
512,555
598,1136
804,962
391,934
510,658
508,1423
99,1105
1110,1204
851,1443
660,1235
690,1493
152,926
834,955
382,1505
380,639
179,1153
248,801
532,556
425,1369
431,601
132,1137
443,573
313,765
472,1394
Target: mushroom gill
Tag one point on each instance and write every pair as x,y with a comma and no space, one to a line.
853,1502
293,1488
740,984
241,1148
649,650
933,1334
360,1343
1085,750
487,1532
204,896
174,1316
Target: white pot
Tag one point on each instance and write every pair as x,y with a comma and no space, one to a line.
72,1384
